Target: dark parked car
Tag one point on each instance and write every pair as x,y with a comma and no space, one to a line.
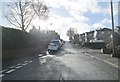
117,50
109,51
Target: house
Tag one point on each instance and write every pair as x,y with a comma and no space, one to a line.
103,34
76,38
89,36
117,35
82,38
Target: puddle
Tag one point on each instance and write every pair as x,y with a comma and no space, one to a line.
68,52
45,58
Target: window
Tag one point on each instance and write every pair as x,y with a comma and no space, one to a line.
102,32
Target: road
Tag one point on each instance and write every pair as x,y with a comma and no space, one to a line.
69,63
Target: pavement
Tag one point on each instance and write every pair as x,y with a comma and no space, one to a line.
97,54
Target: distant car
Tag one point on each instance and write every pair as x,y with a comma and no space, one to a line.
57,41
54,45
109,51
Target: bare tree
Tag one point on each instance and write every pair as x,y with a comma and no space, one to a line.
40,9
71,32
20,14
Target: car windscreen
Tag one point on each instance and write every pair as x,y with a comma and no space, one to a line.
52,44
56,42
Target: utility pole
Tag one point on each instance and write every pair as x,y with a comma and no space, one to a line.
113,36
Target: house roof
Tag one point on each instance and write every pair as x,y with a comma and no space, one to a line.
104,29
90,32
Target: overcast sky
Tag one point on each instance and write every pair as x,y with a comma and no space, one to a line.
84,15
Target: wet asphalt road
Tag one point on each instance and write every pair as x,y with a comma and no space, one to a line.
68,63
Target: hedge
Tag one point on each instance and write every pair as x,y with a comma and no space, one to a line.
14,39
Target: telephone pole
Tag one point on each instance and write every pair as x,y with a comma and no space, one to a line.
113,36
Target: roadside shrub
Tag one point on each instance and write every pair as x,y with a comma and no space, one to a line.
17,39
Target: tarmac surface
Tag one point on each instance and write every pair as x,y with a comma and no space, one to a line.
71,62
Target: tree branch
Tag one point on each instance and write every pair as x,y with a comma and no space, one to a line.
16,20
29,22
12,22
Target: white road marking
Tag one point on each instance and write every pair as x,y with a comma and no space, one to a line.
18,67
19,64
111,64
10,71
2,75
30,61
26,61
24,64
4,70
12,67
41,55
104,61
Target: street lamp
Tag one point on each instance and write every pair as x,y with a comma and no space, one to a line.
113,38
